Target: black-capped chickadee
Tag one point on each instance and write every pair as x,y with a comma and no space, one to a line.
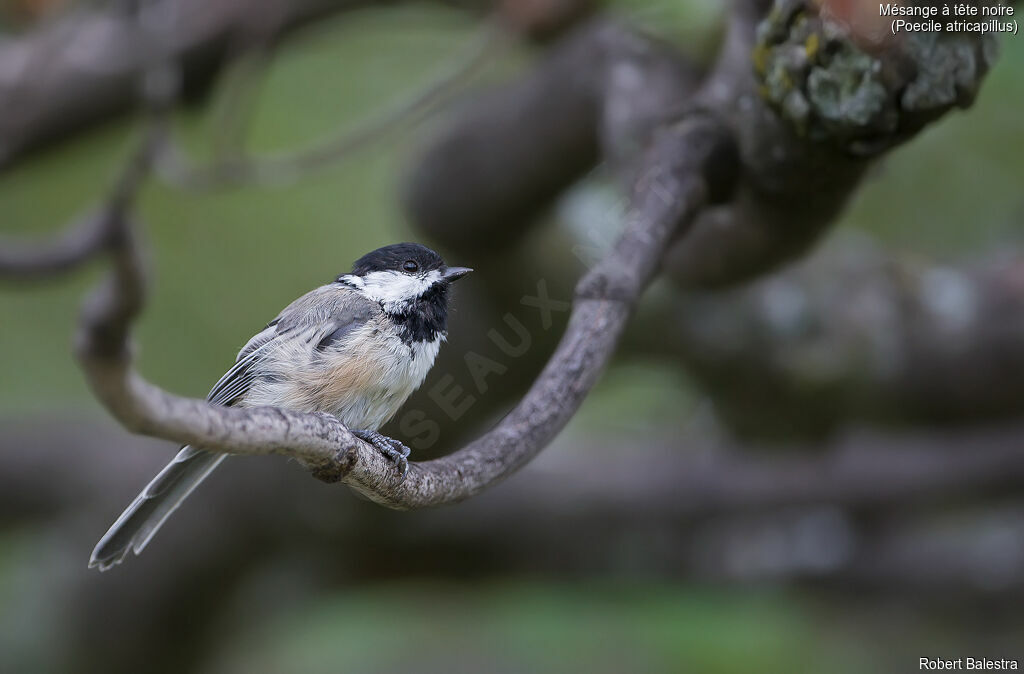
355,348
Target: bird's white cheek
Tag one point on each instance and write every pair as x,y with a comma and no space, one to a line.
394,289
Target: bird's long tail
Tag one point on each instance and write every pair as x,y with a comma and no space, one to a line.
143,518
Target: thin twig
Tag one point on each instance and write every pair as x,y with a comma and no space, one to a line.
236,168
232,119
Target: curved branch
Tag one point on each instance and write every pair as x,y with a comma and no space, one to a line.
78,243
83,239
691,163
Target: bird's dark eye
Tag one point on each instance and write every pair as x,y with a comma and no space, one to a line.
410,266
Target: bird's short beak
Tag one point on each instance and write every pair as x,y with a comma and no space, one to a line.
455,273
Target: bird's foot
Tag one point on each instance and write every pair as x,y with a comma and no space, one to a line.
389,447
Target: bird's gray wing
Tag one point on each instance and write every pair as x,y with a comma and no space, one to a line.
236,381
327,315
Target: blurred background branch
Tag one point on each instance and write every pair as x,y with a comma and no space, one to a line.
855,334
233,166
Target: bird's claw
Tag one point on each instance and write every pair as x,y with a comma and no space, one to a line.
389,447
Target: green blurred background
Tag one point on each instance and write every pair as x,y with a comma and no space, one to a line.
226,262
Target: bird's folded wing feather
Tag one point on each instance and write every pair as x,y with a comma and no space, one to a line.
324,317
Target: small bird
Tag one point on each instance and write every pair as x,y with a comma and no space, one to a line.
355,348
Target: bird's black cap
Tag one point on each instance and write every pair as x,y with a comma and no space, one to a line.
396,258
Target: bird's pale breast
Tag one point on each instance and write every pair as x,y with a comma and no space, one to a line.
363,381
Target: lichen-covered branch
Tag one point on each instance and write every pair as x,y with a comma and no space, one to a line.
813,108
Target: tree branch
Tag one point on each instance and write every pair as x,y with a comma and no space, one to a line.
813,109
690,163
47,260
679,513
85,67
852,335
45,470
